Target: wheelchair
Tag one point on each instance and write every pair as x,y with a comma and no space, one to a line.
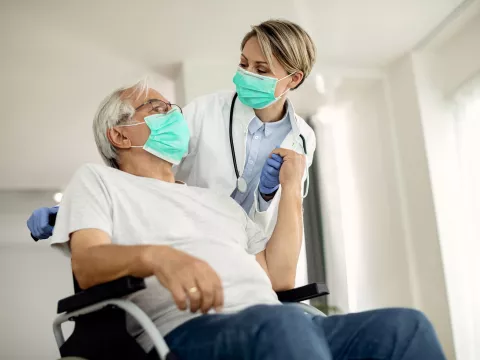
100,314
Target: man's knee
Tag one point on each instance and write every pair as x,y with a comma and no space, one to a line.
285,332
275,317
409,318
268,322
406,324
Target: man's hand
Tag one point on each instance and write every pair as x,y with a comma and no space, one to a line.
95,260
189,279
292,169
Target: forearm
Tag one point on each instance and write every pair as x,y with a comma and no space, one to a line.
99,264
283,248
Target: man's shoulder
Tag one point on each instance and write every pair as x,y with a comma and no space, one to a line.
92,168
91,172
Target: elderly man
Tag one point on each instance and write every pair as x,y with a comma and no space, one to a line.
210,272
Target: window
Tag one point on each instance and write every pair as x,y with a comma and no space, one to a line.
467,125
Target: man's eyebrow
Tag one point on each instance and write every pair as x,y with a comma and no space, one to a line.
149,101
153,99
257,62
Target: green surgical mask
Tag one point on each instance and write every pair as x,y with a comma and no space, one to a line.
256,91
169,136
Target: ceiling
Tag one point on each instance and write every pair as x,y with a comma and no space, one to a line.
61,57
363,33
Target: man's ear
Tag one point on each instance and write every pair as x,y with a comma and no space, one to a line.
118,139
296,80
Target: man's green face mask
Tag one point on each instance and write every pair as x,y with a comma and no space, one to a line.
169,136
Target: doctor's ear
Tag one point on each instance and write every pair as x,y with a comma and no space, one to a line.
118,138
296,80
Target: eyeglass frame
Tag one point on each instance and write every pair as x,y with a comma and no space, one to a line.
168,104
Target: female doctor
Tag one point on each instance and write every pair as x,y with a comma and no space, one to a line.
233,135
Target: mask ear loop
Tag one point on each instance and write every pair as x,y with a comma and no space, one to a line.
128,125
285,90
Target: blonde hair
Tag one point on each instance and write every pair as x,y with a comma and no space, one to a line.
288,43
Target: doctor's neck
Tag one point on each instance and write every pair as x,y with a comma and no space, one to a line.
147,165
274,112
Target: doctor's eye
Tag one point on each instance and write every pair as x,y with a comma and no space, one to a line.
243,66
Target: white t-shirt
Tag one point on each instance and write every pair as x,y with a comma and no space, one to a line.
137,210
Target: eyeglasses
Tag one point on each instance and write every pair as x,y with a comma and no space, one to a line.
159,106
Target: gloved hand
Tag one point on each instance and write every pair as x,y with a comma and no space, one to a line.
269,177
38,222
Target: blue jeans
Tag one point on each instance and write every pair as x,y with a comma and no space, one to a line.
267,332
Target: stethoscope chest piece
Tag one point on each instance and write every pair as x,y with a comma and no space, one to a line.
241,185
241,182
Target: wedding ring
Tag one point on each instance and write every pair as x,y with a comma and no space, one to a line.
193,290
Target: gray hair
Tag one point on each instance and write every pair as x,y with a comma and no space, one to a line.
113,111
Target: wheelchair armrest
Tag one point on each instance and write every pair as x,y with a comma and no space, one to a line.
302,293
110,290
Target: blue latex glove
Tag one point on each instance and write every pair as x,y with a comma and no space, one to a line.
38,222
270,175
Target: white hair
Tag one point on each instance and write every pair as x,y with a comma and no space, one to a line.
113,111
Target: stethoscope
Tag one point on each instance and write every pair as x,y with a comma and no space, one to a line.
241,182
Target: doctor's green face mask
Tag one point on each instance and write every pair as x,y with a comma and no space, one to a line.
169,136
256,91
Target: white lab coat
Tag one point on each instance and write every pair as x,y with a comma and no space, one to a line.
209,161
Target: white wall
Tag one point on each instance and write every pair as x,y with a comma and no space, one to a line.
58,93
458,58
376,246
33,278
334,247
366,251
206,76
424,253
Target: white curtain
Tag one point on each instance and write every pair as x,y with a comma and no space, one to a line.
467,124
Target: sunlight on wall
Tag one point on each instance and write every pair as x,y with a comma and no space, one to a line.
337,119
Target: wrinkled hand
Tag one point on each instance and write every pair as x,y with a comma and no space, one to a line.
293,167
270,175
38,222
189,279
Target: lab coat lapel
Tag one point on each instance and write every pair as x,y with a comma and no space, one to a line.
242,115
293,141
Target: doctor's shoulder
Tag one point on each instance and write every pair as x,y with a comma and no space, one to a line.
309,135
207,105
